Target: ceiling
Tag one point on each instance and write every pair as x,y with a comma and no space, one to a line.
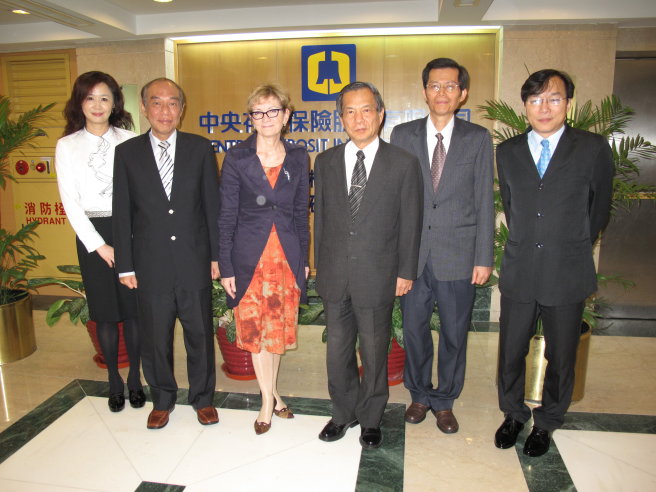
67,23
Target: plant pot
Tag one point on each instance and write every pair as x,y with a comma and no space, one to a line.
99,359
17,338
237,363
395,364
536,365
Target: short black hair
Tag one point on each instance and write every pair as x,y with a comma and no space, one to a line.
538,81
463,74
355,86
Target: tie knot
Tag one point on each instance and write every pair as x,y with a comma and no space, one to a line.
545,144
440,137
360,155
164,145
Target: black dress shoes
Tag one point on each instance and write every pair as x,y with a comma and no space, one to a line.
506,435
333,432
537,443
137,399
371,437
116,402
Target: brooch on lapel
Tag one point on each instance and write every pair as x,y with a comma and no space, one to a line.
286,173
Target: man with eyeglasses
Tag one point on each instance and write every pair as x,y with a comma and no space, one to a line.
556,187
456,251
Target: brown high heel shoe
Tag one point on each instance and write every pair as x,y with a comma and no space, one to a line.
261,427
283,413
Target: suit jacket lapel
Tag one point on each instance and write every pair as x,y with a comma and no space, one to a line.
523,153
151,167
375,182
337,176
421,151
560,156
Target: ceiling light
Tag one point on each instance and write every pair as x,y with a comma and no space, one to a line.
19,11
163,1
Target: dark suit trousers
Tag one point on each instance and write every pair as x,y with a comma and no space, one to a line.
455,300
353,398
562,331
158,314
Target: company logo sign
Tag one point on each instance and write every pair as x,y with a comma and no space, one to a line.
326,70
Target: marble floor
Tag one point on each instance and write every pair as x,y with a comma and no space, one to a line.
57,433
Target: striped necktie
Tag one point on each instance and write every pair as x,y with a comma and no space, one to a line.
358,183
165,167
545,157
437,164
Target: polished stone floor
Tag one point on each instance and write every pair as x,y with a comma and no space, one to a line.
58,435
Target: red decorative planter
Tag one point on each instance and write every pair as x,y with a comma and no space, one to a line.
123,359
395,364
237,363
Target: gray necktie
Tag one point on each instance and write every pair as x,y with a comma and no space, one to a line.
358,183
165,167
437,164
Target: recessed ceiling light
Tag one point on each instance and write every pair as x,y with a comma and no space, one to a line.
163,1
19,11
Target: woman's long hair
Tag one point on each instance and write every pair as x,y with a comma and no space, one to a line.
73,113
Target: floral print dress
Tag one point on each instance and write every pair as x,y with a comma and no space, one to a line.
267,314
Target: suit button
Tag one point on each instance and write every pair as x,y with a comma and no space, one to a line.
352,233
539,245
540,215
171,211
540,186
429,228
273,207
434,205
172,238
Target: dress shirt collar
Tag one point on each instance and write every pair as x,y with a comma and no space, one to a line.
535,142
350,156
154,142
431,131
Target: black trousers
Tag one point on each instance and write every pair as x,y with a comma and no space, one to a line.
455,301
158,313
351,397
562,331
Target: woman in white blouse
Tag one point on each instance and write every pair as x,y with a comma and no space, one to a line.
96,122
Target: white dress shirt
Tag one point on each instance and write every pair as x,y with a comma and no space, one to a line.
154,141
85,172
431,139
535,143
350,157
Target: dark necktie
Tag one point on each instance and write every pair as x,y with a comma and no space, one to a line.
437,164
165,166
358,183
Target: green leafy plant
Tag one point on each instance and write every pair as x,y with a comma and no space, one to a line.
77,308
17,258
17,133
222,315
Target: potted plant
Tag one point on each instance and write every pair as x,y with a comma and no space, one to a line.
237,363
609,119
17,254
313,311
78,310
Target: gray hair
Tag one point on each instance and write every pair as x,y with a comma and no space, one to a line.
355,86
145,88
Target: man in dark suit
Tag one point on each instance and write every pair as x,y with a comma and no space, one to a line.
366,237
556,185
166,201
457,240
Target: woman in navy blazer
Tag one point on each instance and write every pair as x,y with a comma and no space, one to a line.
263,241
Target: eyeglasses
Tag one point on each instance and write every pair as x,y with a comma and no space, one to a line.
272,113
551,101
449,87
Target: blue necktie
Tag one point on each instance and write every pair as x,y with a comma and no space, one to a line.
545,156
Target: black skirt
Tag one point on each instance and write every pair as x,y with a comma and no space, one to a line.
108,299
